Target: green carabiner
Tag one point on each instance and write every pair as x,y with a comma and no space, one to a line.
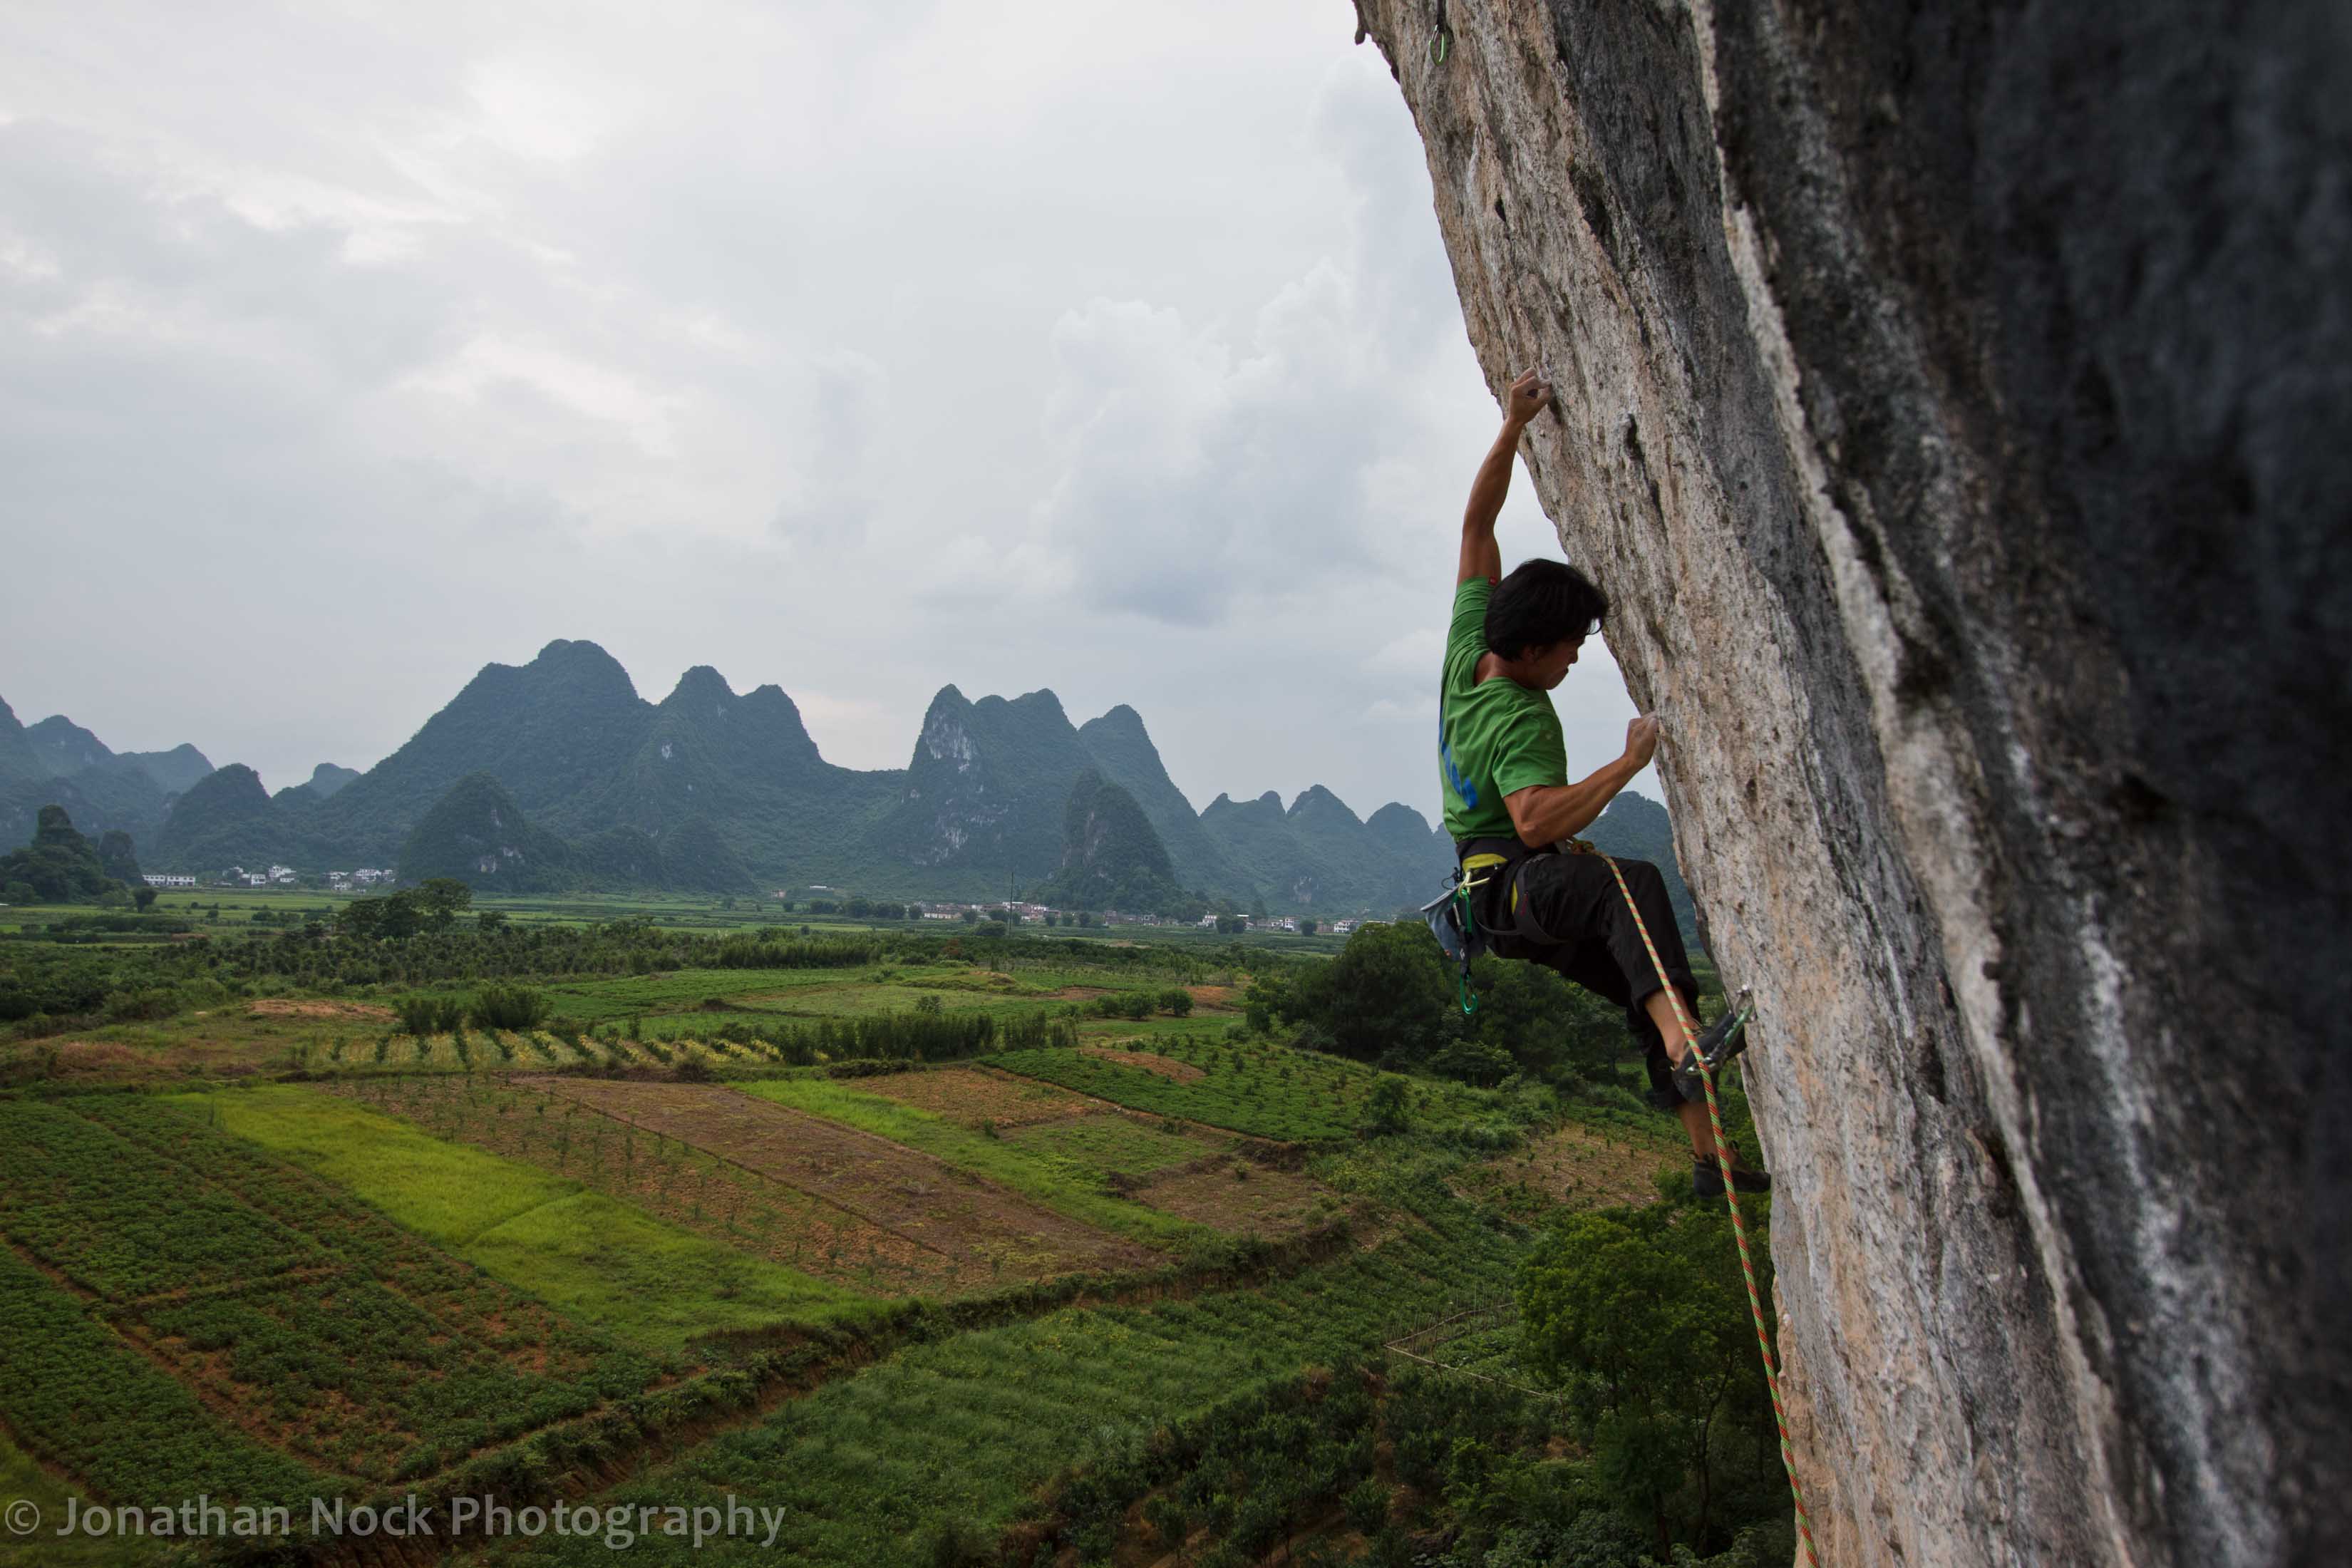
1441,44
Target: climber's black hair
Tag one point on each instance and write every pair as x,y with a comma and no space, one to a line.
1542,602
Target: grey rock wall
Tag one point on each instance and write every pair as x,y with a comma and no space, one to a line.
1956,400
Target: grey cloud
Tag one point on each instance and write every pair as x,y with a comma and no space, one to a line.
857,350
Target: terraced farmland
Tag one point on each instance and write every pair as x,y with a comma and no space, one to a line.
304,1321
950,1440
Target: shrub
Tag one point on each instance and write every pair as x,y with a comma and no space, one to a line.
1368,1504
1177,1001
509,1007
422,1015
1389,1106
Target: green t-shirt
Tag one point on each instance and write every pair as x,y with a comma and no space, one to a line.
1494,737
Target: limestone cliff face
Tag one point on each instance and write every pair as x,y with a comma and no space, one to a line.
1955,399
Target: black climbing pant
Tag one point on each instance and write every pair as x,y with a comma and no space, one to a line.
1569,917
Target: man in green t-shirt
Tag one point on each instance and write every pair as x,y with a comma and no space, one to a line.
1508,795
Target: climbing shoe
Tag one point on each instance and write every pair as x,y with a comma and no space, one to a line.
1724,1039
1707,1179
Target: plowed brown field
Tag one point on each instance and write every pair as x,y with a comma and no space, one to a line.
971,1097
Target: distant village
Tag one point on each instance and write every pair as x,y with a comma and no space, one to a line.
278,877
817,900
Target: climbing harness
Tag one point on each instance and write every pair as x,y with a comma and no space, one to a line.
1730,1195
1455,923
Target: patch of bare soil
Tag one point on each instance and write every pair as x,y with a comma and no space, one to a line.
972,1098
292,1007
1148,1061
99,1056
1237,1195
1573,1167
991,1234
1214,998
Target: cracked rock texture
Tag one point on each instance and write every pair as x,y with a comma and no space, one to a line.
1956,400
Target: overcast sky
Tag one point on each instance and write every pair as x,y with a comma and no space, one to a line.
861,349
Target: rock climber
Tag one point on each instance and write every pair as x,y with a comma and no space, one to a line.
1511,809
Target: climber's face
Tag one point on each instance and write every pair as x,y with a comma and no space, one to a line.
1548,667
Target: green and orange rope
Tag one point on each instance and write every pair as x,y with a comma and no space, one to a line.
1731,1197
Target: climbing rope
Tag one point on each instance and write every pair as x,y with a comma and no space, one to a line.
1731,1197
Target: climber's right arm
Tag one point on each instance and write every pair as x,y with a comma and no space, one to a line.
1546,813
1480,555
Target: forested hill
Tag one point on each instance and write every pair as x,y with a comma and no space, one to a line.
710,789
57,763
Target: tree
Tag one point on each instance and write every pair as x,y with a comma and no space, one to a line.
1306,925
144,897
489,923
1549,1028
1387,997
20,892
1178,1001
970,916
439,900
1639,1315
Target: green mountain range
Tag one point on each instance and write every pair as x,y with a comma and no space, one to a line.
714,790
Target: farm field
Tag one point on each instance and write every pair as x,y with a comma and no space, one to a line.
738,1210
306,1322
987,1235
603,1263
1090,1173
955,1436
906,1247
1257,1087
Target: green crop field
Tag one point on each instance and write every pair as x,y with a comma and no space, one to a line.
1266,1090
